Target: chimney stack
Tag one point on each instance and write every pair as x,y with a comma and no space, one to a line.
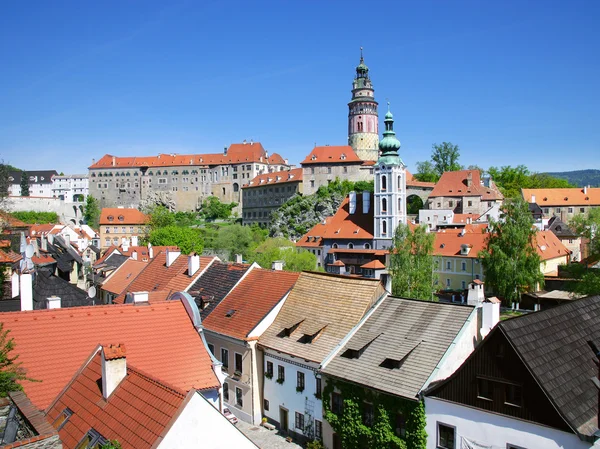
26,292
490,315
172,254
469,179
150,251
277,265
114,159
114,368
140,297
134,255
193,264
67,238
134,240
15,284
352,201
366,202
475,296
585,190
533,199
54,302
238,258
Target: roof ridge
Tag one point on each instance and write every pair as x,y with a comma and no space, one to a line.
156,381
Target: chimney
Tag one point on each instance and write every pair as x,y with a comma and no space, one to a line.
134,240
51,238
114,159
150,251
352,202
277,265
475,296
366,202
585,190
125,244
172,254
134,255
490,311
224,151
67,238
114,368
386,280
26,292
15,284
532,198
238,258
193,264
53,302
140,297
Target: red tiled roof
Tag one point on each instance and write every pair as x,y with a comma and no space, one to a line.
9,257
156,276
236,153
4,243
589,196
123,276
374,252
11,221
374,265
331,155
41,229
136,414
337,263
342,225
276,159
279,177
43,259
130,216
250,301
455,184
160,339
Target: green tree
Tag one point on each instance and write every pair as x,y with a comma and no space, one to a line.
588,226
112,444
445,157
510,180
4,183
282,249
33,217
24,183
510,260
10,370
160,217
213,208
426,172
189,240
236,239
91,212
412,263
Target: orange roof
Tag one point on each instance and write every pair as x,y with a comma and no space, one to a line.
9,257
123,276
41,229
249,302
374,265
342,225
136,413
160,339
117,216
374,252
549,246
331,155
337,263
156,276
4,243
278,177
43,259
236,153
589,196
455,184
11,221
276,159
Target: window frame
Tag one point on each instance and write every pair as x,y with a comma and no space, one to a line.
300,380
239,397
241,362
438,434
269,368
226,362
281,373
226,391
299,421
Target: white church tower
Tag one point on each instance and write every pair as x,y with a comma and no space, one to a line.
390,187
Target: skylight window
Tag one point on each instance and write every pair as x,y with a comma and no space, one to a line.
62,419
230,313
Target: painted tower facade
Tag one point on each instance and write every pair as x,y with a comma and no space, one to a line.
390,187
363,124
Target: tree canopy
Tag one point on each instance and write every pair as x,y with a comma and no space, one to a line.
412,263
10,370
444,157
4,183
282,249
510,260
33,217
91,212
24,183
189,240
510,180
588,226
212,208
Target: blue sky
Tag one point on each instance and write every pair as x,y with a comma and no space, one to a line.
510,82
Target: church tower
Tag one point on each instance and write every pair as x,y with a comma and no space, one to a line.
390,187
363,124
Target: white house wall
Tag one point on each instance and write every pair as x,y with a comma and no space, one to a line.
492,431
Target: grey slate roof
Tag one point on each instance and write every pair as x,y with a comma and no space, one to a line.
418,333
322,306
553,345
561,229
35,177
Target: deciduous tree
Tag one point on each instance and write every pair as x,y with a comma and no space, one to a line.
510,261
412,263
189,240
588,226
91,212
445,157
282,249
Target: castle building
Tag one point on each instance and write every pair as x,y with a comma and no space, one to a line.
390,187
363,125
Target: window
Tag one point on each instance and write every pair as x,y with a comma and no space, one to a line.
239,401
450,203
225,358
226,391
469,203
269,370
448,283
299,421
350,245
400,425
266,404
446,438
557,210
318,388
448,265
116,230
211,348
485,389
513,395
463,266
384,183
92,440
463,284
570,210
582,209
384,227
337,405
62,419
546,210
300,381
329,170
238,363
383,206
280,373
162,180
318,429
131,229
368,414
312,183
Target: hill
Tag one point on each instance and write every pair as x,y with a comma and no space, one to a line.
580,178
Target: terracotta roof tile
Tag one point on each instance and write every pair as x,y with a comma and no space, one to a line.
123,276
374,265
10,221
338,302
589,196
9,257
136,414
156,276
160,339
129,216
455,184
279,177
332,155
249,302
276,159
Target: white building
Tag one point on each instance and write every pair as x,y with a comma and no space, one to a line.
70,188
40,182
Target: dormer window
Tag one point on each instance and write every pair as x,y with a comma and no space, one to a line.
343,157
111,218
121,218
314,158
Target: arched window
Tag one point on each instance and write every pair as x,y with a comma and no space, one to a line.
350,245
399,182
236,187
367,246
383,206
223,190
399,205
335,245
384,227
360,126
384,183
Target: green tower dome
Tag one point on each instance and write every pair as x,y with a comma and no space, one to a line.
389,145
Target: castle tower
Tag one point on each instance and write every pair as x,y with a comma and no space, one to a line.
363,124
390,187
